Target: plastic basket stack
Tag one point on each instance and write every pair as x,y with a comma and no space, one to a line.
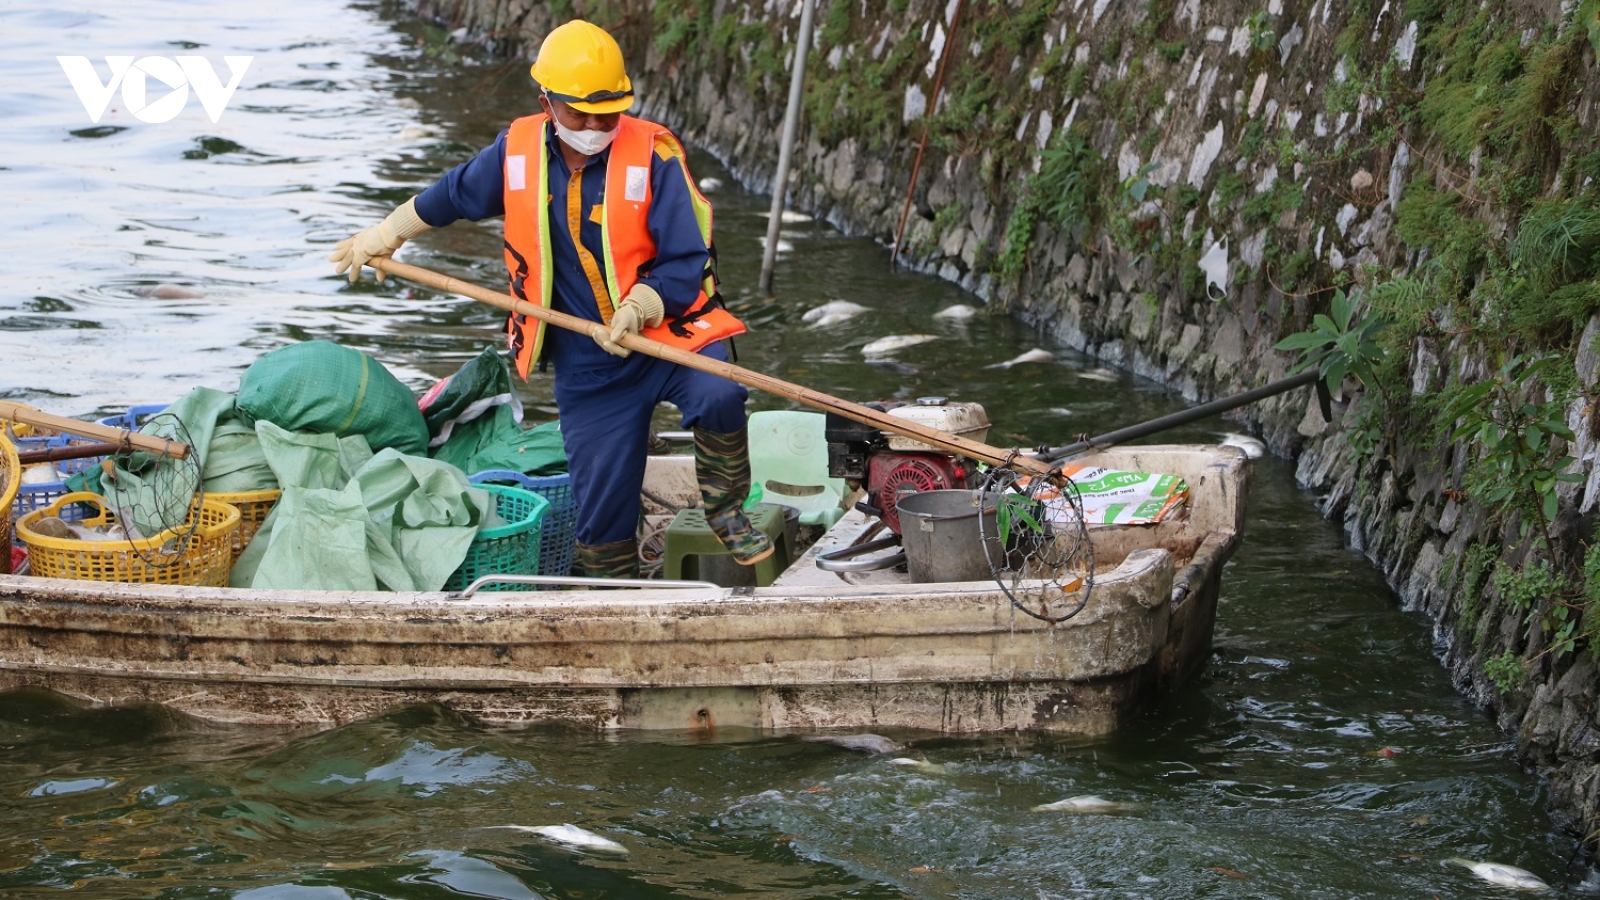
557,546
204,558
509,549
10,475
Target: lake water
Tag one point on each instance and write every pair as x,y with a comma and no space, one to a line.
1322,754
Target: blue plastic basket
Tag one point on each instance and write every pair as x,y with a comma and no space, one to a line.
136,416
509,549
37,496
557,547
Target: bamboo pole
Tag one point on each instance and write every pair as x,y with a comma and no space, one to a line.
122,437
933,436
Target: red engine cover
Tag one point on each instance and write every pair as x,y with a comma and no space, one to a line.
895,472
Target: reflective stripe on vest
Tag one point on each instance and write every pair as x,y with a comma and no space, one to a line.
626,246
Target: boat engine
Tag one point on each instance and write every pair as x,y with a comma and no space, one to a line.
889,465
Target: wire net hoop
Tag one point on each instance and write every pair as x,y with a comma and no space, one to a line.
152,494
1037,543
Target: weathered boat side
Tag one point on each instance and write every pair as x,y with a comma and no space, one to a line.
952,657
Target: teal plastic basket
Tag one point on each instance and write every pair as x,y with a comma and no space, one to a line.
509,549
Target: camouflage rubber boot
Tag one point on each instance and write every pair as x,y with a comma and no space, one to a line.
618,559
722,464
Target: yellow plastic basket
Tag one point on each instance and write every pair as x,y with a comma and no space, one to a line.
205,558
10,479
253,507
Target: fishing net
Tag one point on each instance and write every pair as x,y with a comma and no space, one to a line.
155,494
1037,542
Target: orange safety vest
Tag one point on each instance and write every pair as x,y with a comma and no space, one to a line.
627,247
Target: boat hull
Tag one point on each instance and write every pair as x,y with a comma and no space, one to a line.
947,657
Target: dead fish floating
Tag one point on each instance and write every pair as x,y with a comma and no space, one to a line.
921,765
710,185
571,836
1502,874
1105,375
1032,356
832,313
958,312
1087,805
169,292
862,743
1252,447
896,342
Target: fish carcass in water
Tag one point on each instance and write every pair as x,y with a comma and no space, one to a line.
169,292
865,743
1252,447
1105,375
832,313
1032,356
959,311
1086,804
921,765
1503,875
571,836
895,342
709,185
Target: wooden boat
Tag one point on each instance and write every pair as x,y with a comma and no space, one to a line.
814,650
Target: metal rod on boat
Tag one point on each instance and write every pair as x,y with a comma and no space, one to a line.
791,124
1184,417
70,451
122,437
941,439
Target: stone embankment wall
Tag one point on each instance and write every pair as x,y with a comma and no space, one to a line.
1174,186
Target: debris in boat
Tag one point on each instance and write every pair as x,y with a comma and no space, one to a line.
709,185
921,765
1502,874
1087,804
896,342
832,313
865,743
169,292
959,311
1032,356
1101,374
51,526
43,473
571,836
1252,447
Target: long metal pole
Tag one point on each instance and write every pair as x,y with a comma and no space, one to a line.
638,343
791,125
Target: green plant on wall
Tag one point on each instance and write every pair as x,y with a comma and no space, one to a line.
1339,343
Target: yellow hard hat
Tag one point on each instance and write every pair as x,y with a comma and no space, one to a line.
581,65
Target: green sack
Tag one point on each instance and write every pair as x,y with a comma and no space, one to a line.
481,385
322,387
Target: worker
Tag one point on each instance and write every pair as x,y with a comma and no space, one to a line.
603,222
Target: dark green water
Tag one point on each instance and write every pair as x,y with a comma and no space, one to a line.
1322,754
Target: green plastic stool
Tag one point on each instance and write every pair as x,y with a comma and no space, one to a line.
689,537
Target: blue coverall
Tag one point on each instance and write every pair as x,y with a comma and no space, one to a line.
605,402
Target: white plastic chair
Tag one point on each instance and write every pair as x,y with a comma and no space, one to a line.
789,460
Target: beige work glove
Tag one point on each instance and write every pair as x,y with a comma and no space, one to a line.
641,307
382,239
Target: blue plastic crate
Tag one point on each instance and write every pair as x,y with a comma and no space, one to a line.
557,546
136,416
38,496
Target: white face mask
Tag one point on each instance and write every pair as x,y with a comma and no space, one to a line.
586,142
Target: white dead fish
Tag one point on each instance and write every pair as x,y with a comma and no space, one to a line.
169,292
1252,447
1105,375
416,133
787,217
1086,804
1503,875
708,184
1059,411
1032,356
843,309
571,836
43,473
959,311
896,342
865,743
921,765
